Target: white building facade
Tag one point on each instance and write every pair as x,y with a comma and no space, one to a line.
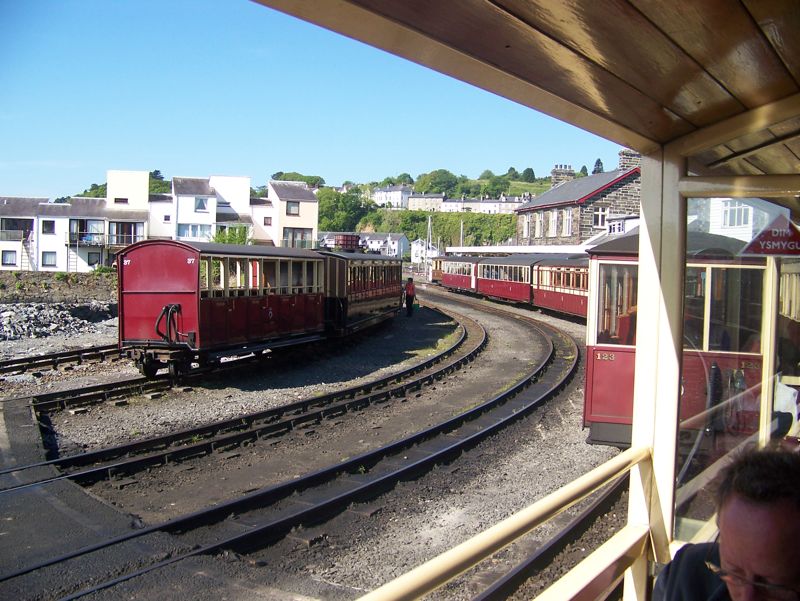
84,233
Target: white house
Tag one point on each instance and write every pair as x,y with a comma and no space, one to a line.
391,245
80,234
394,197
37,235
425,202
419,253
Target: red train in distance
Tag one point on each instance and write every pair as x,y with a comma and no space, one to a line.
184,303
556,282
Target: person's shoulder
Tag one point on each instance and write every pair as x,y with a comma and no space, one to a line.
687,578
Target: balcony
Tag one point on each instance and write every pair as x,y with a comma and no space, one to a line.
86,239
95,239
14,235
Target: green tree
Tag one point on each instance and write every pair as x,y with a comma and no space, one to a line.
341,212
315,181
528,175
598,167
467,187
157,183
95,191
583,172
235,234
404,178
512,173
486,174
479,229
440,181
495,186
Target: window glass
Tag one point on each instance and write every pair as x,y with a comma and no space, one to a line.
726,347
284,277
292,208
9,257
92,259
48,226
49,259
200,204
297,277
616,316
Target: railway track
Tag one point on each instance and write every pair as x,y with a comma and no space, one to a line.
92,354
126,459
269,513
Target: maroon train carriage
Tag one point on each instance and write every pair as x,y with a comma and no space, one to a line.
507,278
460,273
360,290
561,283
193,302
435,270
185,302
722,357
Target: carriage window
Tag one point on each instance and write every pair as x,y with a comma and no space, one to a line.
217,276
268,282
237,276
616,315
297,277
310,280
283,282
735,319
204,280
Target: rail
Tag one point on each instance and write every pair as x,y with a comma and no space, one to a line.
597,573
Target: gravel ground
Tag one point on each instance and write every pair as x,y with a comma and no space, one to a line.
411,524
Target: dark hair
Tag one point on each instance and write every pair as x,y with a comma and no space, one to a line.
762,476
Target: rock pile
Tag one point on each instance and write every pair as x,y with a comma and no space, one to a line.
39,320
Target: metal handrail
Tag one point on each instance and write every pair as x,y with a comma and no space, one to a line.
439,570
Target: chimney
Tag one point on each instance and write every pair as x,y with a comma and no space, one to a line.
561,174
628,159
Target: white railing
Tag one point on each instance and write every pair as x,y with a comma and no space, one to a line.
596,574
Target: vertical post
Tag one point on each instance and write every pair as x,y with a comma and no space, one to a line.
662,251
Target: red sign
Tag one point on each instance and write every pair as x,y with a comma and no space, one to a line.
781,237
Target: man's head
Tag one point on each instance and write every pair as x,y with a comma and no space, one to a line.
758,501
410,279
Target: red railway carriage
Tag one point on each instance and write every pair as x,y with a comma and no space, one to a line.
435,270
459,273
507,278
561,283
722,322
360,290
183,302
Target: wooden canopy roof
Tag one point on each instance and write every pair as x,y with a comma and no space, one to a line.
719,78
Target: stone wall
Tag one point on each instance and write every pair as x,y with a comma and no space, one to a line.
57,287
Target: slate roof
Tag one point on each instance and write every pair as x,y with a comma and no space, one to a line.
77,207
160,198
397,188
228,215
192,186
295,192
578,190
18,206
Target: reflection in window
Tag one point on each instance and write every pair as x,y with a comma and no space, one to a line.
616,316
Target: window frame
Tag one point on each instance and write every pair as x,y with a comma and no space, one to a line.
52,223
5,262
50,253
290,205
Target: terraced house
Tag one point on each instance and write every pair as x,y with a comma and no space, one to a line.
82,233
576,210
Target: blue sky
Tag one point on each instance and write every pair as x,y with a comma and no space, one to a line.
198,88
